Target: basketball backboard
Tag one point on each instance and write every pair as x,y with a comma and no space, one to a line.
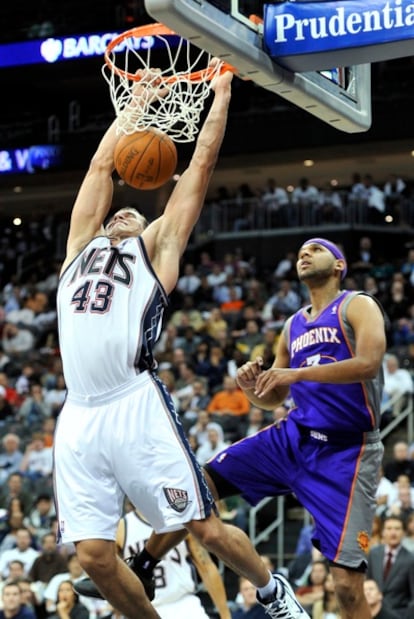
340,96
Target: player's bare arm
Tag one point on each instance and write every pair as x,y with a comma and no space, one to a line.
94,197
167,241
367,322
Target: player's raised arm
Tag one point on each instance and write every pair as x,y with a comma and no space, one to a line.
94,197
184,206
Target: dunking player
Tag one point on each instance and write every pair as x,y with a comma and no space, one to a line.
118,431
175,577
327,451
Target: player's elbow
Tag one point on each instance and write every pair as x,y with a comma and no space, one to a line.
204,158
369,368
101,164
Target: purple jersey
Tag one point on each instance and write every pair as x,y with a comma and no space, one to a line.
328,338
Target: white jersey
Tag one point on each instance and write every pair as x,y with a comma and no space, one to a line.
112,300
175,576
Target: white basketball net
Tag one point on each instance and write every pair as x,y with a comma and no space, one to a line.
176,107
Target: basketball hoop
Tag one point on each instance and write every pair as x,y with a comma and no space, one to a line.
175,78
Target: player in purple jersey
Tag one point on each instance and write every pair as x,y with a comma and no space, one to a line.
328,450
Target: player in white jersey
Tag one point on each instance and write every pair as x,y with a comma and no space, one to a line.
175,577
118,432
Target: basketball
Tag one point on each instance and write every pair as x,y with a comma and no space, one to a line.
145,159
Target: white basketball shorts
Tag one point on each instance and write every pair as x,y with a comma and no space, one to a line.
128,443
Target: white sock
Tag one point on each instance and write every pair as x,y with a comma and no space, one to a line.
268,590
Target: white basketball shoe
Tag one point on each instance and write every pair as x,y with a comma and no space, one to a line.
285,605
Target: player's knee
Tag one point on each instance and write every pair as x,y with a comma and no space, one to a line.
95,556
208,532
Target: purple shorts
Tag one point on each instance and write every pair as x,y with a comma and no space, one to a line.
334,476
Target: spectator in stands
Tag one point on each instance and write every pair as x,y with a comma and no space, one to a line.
33,317
24,380
11,456
357,189
22,552
255,421
74,573
187,315
37,462
400,464
394,190
12,397
329,208
217,277
403,331
248,607
375,201
6,410
230,300
229,401
13,521
215,323
408,539
286,267
285,301
13,606
68,604
327,607
189,281
407,267
14,489
370,286
275,201
203,296
48,431
314,590
39,521
403,505
213,445
396,303
34,409
392,567
189,340
248,340
197,401
229,290
398,386
304,200
31,594
365,257
49,562
386,493
199,428
375,599
214,367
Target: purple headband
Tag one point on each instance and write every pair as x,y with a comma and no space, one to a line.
334,249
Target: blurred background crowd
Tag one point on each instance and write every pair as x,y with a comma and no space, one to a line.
222,313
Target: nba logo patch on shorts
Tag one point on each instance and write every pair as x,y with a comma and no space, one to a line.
177,499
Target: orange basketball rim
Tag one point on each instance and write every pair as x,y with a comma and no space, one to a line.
158,30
